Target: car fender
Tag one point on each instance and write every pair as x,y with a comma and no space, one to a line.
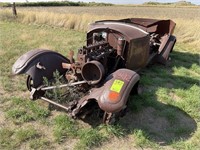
116,90
165,49
39,63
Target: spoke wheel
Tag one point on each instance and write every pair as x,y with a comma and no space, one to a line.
29,83
36,94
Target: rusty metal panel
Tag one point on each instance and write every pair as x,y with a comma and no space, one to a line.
116,90
127,30
149,25
138,53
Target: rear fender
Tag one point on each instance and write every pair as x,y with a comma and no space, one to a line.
116,90
163,56
39,63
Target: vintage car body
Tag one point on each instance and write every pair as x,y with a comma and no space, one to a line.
106,69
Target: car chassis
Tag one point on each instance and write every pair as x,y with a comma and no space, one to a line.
106,69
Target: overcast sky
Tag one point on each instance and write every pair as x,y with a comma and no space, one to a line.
110,1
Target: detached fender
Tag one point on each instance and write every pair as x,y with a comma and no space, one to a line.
39,63
165,48
116,90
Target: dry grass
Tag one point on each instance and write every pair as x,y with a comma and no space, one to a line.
68,21
78,18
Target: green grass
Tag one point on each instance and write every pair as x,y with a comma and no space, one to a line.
65,127
5,139
89,138
23,110
165,115
39,143
112,130
142,139
11,139
28,38
25,134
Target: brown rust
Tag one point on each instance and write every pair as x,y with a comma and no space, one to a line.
106,69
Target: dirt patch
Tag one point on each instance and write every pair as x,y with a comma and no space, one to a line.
186,122
175,97
42,33
158,127
25,36
169,85
45,46
2,119
118,143
146,119
2,92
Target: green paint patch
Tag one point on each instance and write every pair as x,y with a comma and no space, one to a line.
117,86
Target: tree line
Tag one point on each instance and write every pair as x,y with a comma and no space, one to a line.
47,4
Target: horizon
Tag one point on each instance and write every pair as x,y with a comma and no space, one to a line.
197,2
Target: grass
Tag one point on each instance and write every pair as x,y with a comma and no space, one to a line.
25,134
89,138
20,113
78,18
64,128
142,139
14,138
165,116
112,130
5,138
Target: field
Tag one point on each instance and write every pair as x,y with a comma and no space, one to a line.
78,18
166,115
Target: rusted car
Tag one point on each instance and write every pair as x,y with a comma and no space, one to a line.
106,70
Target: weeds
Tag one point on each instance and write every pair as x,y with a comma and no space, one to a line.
57,92
62,95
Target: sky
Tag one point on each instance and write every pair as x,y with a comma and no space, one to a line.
110,1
